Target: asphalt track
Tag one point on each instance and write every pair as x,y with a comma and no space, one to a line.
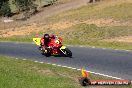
107,61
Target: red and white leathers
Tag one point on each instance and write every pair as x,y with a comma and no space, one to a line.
44,43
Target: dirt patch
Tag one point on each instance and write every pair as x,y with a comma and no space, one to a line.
35,28
25,30
43,71
107,3
71,77
107,22
127,39
99,22
61,25
46,72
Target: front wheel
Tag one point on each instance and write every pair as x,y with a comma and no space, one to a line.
46,52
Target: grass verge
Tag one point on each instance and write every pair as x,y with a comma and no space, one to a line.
27,74
86,34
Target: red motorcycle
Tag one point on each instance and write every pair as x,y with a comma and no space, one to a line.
55,48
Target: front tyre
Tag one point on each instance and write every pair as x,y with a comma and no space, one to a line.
47,52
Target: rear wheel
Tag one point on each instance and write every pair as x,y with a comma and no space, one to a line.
67,52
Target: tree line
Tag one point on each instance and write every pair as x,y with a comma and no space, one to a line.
27,6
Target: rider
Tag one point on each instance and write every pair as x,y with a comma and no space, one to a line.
45,40
52,36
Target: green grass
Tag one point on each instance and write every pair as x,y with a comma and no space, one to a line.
122,11
17,39
91,31
27,74
96,11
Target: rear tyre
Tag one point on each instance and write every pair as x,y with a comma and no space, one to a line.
68,53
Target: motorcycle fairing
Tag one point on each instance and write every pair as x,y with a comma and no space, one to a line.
57,41
37,41
62,49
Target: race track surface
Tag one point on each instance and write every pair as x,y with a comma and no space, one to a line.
108,61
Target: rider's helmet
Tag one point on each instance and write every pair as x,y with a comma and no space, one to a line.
46,36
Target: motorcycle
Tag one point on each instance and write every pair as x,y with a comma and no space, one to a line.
55,48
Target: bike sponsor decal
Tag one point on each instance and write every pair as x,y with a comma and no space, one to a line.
63,47
57,41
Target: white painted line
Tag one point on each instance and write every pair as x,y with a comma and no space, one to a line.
116,49
73,68
59,65
54,64
48,63
64,66
104,48
78,69
127,50
69,67
24,59
103,75
81,46
35,61
41,62
94,73
93,46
